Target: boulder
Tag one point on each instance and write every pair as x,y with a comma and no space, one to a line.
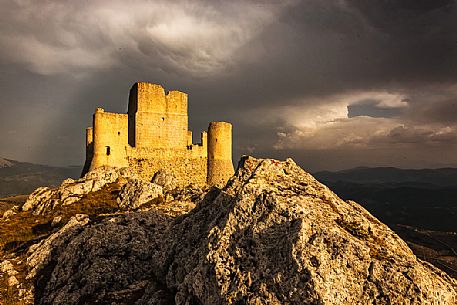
165,179
136,193
275,235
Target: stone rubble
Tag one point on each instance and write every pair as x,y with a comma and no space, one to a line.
7,268
166,179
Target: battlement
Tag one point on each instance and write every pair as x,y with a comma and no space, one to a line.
154,135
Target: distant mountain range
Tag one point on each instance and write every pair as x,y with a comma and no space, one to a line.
425,198
380,175
23,178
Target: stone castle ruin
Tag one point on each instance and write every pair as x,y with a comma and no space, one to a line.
154,136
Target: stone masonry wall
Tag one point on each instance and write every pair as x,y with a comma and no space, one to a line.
159,120
110,137
188,165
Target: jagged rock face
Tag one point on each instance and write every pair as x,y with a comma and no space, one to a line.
273,235
108,263
276,235
41,254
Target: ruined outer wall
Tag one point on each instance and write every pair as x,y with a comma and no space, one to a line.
220,166
110,137
188,165
157,119
89,150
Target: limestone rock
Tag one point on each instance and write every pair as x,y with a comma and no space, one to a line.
12,281
40,200
166,179
56,221
137,192
44,199
108,263
39,255
10,212
276,235
273,235
6,267
191,192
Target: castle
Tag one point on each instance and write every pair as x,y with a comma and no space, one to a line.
154,135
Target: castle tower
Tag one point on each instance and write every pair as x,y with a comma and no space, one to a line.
109,139
157,119
220,166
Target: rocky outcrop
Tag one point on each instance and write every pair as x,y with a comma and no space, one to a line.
273,235
41,254
109,262
134,192
45,199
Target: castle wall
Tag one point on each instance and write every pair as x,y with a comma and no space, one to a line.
220,166
89,136
188,164
110,138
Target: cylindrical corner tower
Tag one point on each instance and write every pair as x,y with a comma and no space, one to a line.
220,166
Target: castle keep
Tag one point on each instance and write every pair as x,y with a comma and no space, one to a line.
154,135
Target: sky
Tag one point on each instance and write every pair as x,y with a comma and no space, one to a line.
333,84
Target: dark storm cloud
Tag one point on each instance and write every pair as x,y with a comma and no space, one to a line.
371,107
282,72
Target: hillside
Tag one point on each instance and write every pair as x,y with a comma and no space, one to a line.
421,198
22,177
272,235
442,177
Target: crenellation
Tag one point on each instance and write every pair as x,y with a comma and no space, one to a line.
154,135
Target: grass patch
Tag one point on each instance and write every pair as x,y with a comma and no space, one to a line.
24,228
